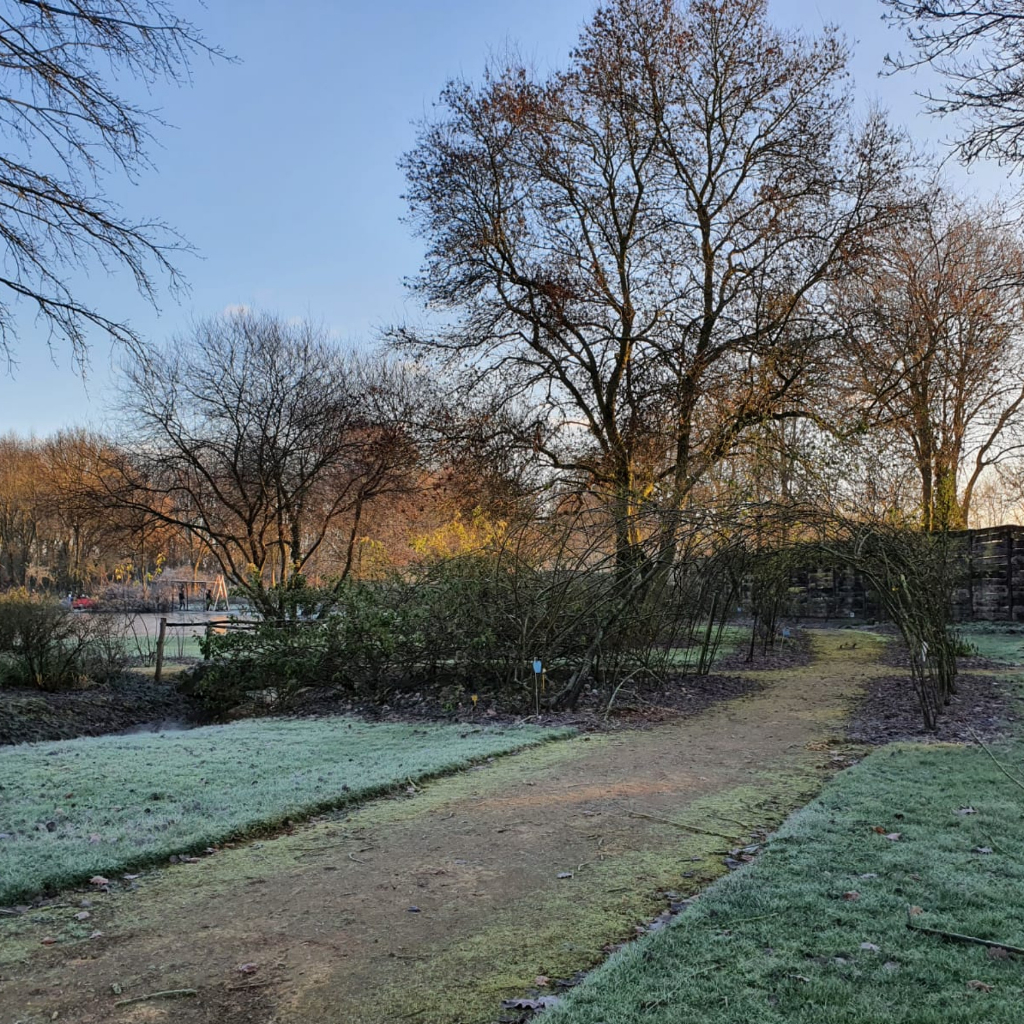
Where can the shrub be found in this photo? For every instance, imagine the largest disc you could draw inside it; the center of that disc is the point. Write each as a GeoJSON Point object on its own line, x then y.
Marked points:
{"type": "Point", "coordinates": [476, 622]}
{"type": "Point", "coordinates": [45, 645]}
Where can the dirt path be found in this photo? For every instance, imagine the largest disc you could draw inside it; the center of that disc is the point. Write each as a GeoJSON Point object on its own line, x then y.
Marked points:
{"type": "Point", "coordinates": [433, 907]}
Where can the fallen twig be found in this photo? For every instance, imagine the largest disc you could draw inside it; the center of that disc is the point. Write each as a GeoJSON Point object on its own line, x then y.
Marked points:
{"type": "Point", "coordinates": [680, 824]}
{"type": "Point", "coordinates": [995, 760]}
{"type": "Point", "coordinates": [170, 993]}
{"type": "Point", "coordinates": [958, 937]}
{"type": "Point", "coordinates": [735, 821]}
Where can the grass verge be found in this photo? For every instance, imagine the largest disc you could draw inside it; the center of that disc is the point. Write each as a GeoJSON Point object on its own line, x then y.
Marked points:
{"type": "Point", "coordinates": [77, 808]}
{"type": "Point", "coordinates": [816, 930]}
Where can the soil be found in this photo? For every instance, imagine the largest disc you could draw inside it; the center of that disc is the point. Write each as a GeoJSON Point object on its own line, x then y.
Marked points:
{"type": "Point", "coordinates": [27, 716]}
{"type": "Point", "coordinates": [793, 652]}
{"type": "Point", "coordinates": [983, 706]}
{"type": "Point", "coordinates": [630, 708]}
{"type": "Point", "coordinates": [438, 904]}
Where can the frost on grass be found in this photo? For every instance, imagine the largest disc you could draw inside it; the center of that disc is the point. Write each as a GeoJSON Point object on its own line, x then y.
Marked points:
{"type": "Point", "coordinates": [93, 806]}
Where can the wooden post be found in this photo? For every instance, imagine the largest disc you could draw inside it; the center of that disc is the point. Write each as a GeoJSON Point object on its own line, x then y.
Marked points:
{"type": "Point", "coordinates": [160, 650]}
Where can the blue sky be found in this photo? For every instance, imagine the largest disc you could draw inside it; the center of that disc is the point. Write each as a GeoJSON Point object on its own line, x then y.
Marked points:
{"type": "Point", "coordinates": [281, 169]}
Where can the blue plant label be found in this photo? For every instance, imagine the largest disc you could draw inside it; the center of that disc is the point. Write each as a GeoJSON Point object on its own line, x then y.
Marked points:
{"type": "Point", "coordinates": [537, 667]}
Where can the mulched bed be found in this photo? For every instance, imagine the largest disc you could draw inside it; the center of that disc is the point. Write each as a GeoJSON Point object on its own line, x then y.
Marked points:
{"type": "Point", "coordinates": [27, 716]}
{"type": "Point", "coordinates": [890, 711]}
{"type": "Point", "coordinates": [897, 655]}
{"type": "Point", "coordinates": [635, 708]}
{"type": "Point", "coordinates": [31, 715]}
{"type": "Point", "coordinates": [793, 652]}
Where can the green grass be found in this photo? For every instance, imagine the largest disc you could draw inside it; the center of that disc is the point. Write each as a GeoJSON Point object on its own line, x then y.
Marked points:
{"type": "Point", "coordinates": [73, 809]}
{"type": "Point", "coordinates": [996, 641]}
{"type": "Point", "coordinates": [777, 942]}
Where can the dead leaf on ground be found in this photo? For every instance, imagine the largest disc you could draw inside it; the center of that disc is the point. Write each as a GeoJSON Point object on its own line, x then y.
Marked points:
{"type": "Point", "coordinates": [965, 810]}
{"type": "Point", "coordinates": [982, 849]}
{"type": "Point", "coordinates": [997, 953]}
{"type": "Point", "coordinates": [541, 980]}
{"type": "Point", "coordinates": [851, 895]}
{"type": "Point", "coordinates": [979, 986]}
{"type": "Point", "coordinates": [99, 880]}
{"type": "Point", "coordinates": [914, 911]}
{"type": "Point", "coordinates": [892, 836]}
{"type": "Point", "coordinates": [565, 874]}
{"type": "Point", "coordinates": [247, 968]}
{"type": "Point", "coordinates": [869, 946]}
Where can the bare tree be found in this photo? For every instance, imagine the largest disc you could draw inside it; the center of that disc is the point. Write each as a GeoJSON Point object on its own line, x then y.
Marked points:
{"type": "Point", "coordinates": [259, 438]}
{"type": "Point", "coordinates": [978, 47]}
{"type": "Point", "coordinates": [633, 249]}
{"type": "Point", "coordinates": [66, 126]}
{"type": "Point", "coordinates": [936, 349]}
{"type": "Point", "coordinates": [20, 507]}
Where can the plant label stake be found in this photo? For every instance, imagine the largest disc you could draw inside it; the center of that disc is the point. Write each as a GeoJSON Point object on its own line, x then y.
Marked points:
{"type": "Point", "coordinates": [538, 668]}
